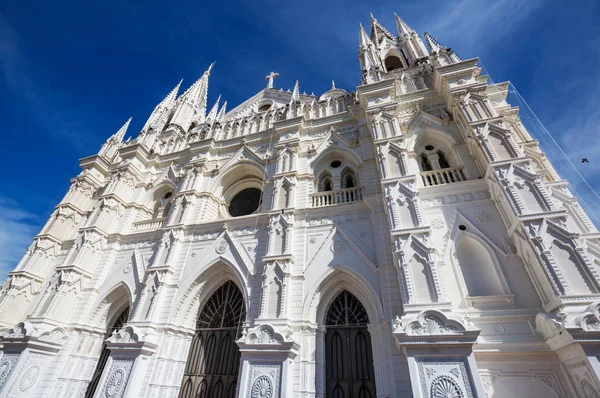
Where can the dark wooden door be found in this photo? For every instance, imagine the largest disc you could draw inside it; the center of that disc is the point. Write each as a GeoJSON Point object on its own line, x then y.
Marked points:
{"type": "Point", "coordinates": [213, 361]}
{"type": "Point", "coordinates": [348, 353]}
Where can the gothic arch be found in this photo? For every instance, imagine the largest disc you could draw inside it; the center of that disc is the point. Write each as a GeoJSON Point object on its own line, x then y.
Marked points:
{"type": "Point", "coordinates": [478, 266]}
{"type": "Point", "coordinates": [323, 159]}
{"type": "Point", "coordinates": [318, 299]}
{"type": "Point", "coordinates": [198, 289]}
{"type": "Point", "coordinates": [110, 302]}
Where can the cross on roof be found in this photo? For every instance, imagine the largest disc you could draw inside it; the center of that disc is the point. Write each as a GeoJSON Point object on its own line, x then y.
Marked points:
{"type": "Point", "coordinates": [270, 78]}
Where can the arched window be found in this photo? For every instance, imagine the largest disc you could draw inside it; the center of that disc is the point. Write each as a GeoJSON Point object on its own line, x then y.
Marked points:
{"type": "Point", "coordinates": [392, 62]}
{"type": "Point", "coordinates": [162, 205]}
{"type": "Point", "coordinates": [348, 352]}
{"type": "Point", "coordinates": [325, 184]}
{"type": "Point", "coordinates": [348, 180]}
{"type": "Point", "coordinates": [425, 165]}
{"type": "Point", "coordinates": [442, 160]}
{"type": "Point", "coordinates": [116, 325]}
{"type": "Point", "coordinates": [214, 357]}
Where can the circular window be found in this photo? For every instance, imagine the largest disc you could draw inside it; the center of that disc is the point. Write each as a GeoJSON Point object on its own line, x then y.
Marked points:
{"type": "Point", "coordinates": [429, 147]}
{"type": "Point", "coordinates": [462, 227]}
{"type": "Point", "coordinates": [168, 195]}
{"type": "Point", "coordinates": [245, 202]}
{"type": "Point", "coordinates": [335, 164]}
{"type": "Point", "coordinates": [264, 107]}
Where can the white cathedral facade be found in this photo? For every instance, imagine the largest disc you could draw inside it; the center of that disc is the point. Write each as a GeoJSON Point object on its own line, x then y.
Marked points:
{"type": "Point", "coordinates": [408, 239]}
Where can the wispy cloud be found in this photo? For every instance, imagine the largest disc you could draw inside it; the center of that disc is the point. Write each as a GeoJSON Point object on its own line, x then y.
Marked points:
{"type": "Point", "coordinates": [17, 228]}
{"type": "Point", "coordinates": [475, 24]}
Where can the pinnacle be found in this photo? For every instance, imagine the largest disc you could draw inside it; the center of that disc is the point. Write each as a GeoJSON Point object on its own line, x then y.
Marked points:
{"type": "Point", "coordinates": [363, 38]}
{"type": "Point", "coordinates": [213, 112]}
{"type": "Point", "coordinates": [296, 93]}
{"type": "Point", "coordinates": [432, 43]}
{"type": "Point", "coordinates": [332, 84]}
{"type": "Point", "coordinates": [402, 26]}
{"type": "Point", "coordinates": [120, 134]}
{"type": "Point", "coordinates": [222, 112]}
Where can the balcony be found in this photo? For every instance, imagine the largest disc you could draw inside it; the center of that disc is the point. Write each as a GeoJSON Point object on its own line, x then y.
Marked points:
{"type": "Point", "coordinates": [443, 176]}
{"type": "Point", "coordinates": [339, 196]}
{"type": "Point", "coordinates": [148, 225]}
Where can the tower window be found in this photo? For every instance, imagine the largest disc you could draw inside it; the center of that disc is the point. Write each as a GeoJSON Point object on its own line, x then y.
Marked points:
{"type": "Point", "coordinates": [325, 184]}
{"type": "Point", "coordinates": [392, 62]}
{"type": "Point", "coordinates": [264, 107]}
{"type": "Point", "coordinates": [442, 160]}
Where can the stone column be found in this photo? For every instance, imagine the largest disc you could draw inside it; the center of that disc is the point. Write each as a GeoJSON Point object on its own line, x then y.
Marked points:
{"type": "Point", "coordinates": [267, 358]}
{"type": "Point", "coordinates": [440, 356]}
{"type": "Point", "coordinates": [126, 366]}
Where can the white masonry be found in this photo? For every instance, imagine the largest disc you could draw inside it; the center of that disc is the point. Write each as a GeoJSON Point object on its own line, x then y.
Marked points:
{"type": "Point", "coordinates": [416, 216]}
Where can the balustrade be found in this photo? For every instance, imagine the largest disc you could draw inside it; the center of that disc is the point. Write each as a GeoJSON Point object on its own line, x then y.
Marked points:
{"type": "Point", "coordinates": [339, 196]}
{"type": "Point", "coordinates": [148, 225]}
{"type": "Point", "coordinates": [443, 176]}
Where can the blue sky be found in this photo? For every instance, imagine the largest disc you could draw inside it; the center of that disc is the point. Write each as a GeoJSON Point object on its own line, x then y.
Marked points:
{"type": "Point", "coordinates": [71, 73]}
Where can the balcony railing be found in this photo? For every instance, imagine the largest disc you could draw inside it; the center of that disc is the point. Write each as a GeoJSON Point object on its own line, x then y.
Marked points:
{"type": "Point", "coordinates": [338, 196]}
{"type": "Point", "coordinates": [443, 176]}
{"type": "Point", "coordinates": [148, 225]}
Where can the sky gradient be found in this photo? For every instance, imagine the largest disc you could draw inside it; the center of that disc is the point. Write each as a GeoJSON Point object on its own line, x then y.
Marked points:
{"type": "Point", "coordinates": [71, 73]}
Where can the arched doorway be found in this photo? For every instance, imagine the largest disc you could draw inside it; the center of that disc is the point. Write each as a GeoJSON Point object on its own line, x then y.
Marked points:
{"type": "Point", "coordinates": [213, 361]}
{"type": "Point", "coordinates": [348, 352]}
{"type": "Point", "coordinates": [116, 325]}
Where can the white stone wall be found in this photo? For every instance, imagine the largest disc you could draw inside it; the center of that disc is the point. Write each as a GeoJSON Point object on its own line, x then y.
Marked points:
{"type": "Point", "coordinates": [488, 267]}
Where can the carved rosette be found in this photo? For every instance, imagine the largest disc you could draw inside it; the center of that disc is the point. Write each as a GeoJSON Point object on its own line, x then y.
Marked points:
{"type": "Point", "coordinates": [264, 381]}
{"type": "Point", "coordinates": [116, 382]}
{"type": "Point", "coordinates": [444, 378]}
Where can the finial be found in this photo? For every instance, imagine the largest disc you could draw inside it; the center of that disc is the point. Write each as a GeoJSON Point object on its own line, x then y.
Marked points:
{"type": "Point", "coordinates": [296, 93]}
{"type": "Point", "coordinates": [332, 84]}
{"type": "Point", "coordinates": [270, 78]}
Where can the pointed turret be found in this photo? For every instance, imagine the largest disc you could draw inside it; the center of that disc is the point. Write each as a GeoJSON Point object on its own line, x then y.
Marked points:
{"type": "Point", "coordinates": [432, 44]}
{"type": "Point", "coordinates": [120, 134]}
{"type": "Point", "coordinates": [222, 112]}
{"type": "Point", "coordinates": [378, 31]}
{"type": "Point", "coordinates": [112, 143]}
{"type": "Point", "coordinates": [158, 117]}
{"type": "Point", "coordinates": [411, 41]}
{"type": "Point", "coordinates": [403, 28]}
{"type": "Point", "coordinates": [191, 106]}
{"type": "Point", "coordinates": [295, 93]}
{"type": "Point", "coordinates": [363, 40]}
{"type": "Point", "coordinates": [212, 115]}
{"type": "Point", "coordinates": [445, 54]}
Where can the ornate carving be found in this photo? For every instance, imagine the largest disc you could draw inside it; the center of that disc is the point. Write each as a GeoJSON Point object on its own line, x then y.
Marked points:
{"type": "Point", "coordinates": [264, 334]}
{"type": "Point", "coordinates": [445, 387]}
{"type": "Point", "coordinates": [483, 217]}
{"type": "Point", "coordinates": [7, 363]}
{"type": "Point", "coordinates": [222, 247]}
{"type": "Point", "coordinates": [29, 378]}
{"type": "Point", "coordinates": [262, 388]}
{"type": "Point", "coordinates": [115, 383]}
{"type": "Point", "coordinates": [125, 335]}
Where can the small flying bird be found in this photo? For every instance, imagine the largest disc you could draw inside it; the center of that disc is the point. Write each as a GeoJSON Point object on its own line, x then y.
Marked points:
{"type": "Point", "coordinates": [585, 160]}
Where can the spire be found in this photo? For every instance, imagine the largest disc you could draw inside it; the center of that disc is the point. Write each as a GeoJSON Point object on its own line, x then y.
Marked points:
{"type": "Point", "coordinates": [363, 39]}
{"type": "Point", "coordinates": [213, 112]}
{"type": "Point", "coordinates": [403, 28]}
{"type": "Point", "coordinates": [198, 91]}
{"type": "Point", "coordinates": [295, 93]}
{"type": "Point", "coordinates": [169, 100]}
{"type": "Point", "coordinates": [435, 47]}
{"type": "Point", "coordinates": [120, 134]}
{"type": "Point", "coordinates": [221, 113]}
{"type": "Point", "coordinates": [377, 28]}
{"type": "Point", "coordinates": [432, 43]}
